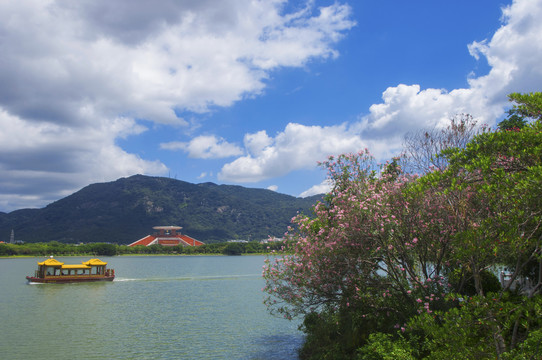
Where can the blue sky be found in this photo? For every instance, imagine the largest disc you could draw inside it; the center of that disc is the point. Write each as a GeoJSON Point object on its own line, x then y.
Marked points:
{"type": "Point", "coordinates": [251, 93]}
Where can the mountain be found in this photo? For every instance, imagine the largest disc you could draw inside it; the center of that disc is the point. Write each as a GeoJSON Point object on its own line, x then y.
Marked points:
{"type": "Point", "coordinates": [125, 210]}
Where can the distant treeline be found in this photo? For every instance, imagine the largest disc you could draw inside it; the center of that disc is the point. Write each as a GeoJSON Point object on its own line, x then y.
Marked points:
{"type": "Point", "coordinates": [105, 249]}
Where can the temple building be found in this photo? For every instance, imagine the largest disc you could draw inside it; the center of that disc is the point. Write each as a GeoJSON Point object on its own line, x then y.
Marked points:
{"type": "Point", "coordinates": [167, 236]}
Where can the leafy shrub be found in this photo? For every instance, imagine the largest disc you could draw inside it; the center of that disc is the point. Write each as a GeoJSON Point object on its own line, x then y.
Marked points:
{"type": "Point", "coordinates": [463, 282]}
{"type": "Point", "coordinates": [233, 249]}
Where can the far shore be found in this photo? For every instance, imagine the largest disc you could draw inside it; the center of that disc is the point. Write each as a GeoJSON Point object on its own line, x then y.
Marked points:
{"type": "Point", "coordinates": [123, 255]}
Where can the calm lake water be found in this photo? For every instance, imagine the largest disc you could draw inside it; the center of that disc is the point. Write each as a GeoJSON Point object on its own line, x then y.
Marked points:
{"type": "Point", "coordinates": [181, 307]}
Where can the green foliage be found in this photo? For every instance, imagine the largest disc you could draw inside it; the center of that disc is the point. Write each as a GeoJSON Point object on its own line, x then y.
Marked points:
{"type": "Point", "coordinates": [6, 250]}
{"type": "Point", "coordinates": [529, 349]}
{"type": "Point", "coordinates": [394, 266]}
{"type": "Point", "coordinates": [502, 172]}
{"type": "Point", "coordinates": [385, 347]}
{"type": "Point", "coordinates": [348, 334]}
{"type": "Point", "coordinates": [234, 249]}
{"type": "Point", "coordinates": [527, 105]}
{"type": "Point", "coordinates": [323, 339]}
{"type": "Point", "coordinates": [462, 282]}
{"type": "Point", "coordinates": [470, 328]}
{"type": "Point", "coordinates": [513, 122]}
{"type": "Point", "coordinates": [104, 249]}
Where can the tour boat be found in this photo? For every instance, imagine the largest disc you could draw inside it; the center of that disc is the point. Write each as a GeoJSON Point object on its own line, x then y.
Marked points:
{"type": "Point", "coordinates": [54, 271]}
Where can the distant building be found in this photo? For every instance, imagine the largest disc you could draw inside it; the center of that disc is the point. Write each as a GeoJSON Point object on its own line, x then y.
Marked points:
{"type": "Point", "coordinates": [271, 239]}
{"type": "Point", "coordinates": [167, 236]}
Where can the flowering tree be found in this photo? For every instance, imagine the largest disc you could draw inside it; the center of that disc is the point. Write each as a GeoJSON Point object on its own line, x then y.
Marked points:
{"type": "Point", "coordinates": [393, 253]}
{"type": "Point", "coordinates": [376, 245]}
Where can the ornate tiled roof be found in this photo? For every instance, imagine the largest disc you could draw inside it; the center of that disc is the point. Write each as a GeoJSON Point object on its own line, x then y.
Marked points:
{"type": "Point", "coordinates": [167, 240]}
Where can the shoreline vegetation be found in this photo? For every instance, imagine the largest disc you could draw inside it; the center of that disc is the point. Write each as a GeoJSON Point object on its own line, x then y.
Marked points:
{"type": "Point", "coordinates": [396, 262]}
{"type": "Point", "coordinates": [105, 249]}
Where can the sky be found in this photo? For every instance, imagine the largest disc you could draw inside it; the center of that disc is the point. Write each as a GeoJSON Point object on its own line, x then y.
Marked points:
{"type": "Point", "coordinates": [242, 92]}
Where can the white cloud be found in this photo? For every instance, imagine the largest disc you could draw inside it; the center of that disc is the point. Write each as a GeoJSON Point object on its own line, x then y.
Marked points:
{"type": "Point", "coordinates": [75, 75]}
{"type": "Point", "coordinates": [205, 147]}
{"type": "Point", "coordinates": [297, 147]}
{"type": "Point", "coordinates": [152, 59]}
{"type": "Point", "coordinates": [514, 54]}
{"type": "Point", "coordinates": [273, 187]}
{"type": "Point", "coordinates": [43, 162]}
{"type": "Point", "coordinates": [257, 143]}
{"type": "Point", "coordinates": [407, 108]}
{"type": "Point", "coordinates": [323, 188]}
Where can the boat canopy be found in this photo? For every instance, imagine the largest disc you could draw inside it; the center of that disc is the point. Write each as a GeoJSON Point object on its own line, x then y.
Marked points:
{"type": "Point", "coordinates": [83, 265]}
{"type": "Point", "coordinates": [77, 266]}
{"type": "Point", "coordinates": [51, 262]}
{"type": "Point", "coordinates": [94, 262]}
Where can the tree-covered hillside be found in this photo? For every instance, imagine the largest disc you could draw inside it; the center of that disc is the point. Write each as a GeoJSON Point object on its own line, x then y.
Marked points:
{"type": "Point", "coordinates": [125, 210]}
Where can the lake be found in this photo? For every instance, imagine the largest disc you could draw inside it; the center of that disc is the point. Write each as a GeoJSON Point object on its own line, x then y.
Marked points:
{"type": "Point", "coordinates": [158, 307]}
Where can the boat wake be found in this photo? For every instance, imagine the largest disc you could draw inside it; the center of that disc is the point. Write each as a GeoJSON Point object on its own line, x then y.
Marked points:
{"type": "Point", "coordinates": [191, 278]}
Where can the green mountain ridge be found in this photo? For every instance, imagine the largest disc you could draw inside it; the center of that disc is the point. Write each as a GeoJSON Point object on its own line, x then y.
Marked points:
{"type": "Point", "coordinates": [125, 210]}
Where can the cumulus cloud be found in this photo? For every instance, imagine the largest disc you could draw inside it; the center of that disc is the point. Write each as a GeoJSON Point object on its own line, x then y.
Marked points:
{"type": "Point", "coordinates": [146, 60]}
{"type": "Point", "coordinates": [322, 188]}
{"type": "Point", "coordinates": [408, 108]}
{"type": "Point", "coordinates": [76, 75]}
{"type": "Point", "coordinates": [297, 147]}
{"type": "Point", "coordinates": [513, 53]}
{"type": "Point", "coordinates": [45, 161]}
{"type": "Point", "coordinates": [205, 147]}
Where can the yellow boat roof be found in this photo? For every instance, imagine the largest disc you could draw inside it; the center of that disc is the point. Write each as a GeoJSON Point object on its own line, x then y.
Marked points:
{"type": "Point", "coordinates": [77, 266]}
{"type": "Point", "coordinates": [51, 262]}
{"type": "Point", "coordinates": [94, 262]}
{"type": "Point", "coordinates": [83, 265]}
